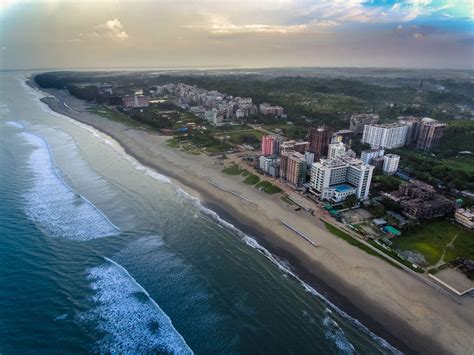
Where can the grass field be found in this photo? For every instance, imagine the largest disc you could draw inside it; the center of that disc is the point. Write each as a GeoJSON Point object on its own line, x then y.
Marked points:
{"type": "Point", "coordinates": [251, 179]}
{"type": "Point", "coordinates": [465, 164]}
{"type": "Point", "coordinates": [233, 169]}
{"type": "Point", "coordinates": [113, 115]}
{"type": "Point", "coordinates": [432, 239]}
{"type": "Point", "coordinates": [268, 187]}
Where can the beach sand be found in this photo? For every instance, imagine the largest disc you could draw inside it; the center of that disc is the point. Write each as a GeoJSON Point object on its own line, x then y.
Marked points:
{"type": "Point", "coordinates": [395, 305]}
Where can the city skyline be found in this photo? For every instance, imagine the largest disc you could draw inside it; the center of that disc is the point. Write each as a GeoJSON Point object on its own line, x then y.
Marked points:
{"type": "Point", "coordinates": [230, 34]}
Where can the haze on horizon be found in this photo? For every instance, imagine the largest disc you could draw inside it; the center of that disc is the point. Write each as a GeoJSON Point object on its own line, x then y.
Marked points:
{"type": "Point", "coordinates": [332, 33]}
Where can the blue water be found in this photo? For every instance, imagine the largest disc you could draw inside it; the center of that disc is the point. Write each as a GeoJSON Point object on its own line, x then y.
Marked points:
{"type": "Point", "coordinates": [100, 254]}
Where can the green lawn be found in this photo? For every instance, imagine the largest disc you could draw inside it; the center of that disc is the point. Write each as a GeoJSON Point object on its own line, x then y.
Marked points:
{"type": "Point", "coordinates": [433, 237]}
{"type": "Point", "coordinates": [233, 169]}
{"type": "Point", "coordinates": [251, 179]}
{"type": "Point", "coordinates": [268, 187]}
{"type": "Point", "coordinates": [173, 143]}
{"type": "Point", "coordinates": [113, 115]}
{"type": "Point", "coordinates": [287, 200]}
{"type": "Point", "coordinates": [465, 164]}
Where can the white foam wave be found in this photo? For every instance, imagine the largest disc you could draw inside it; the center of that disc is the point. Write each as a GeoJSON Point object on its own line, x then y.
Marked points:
{"type": "Point", "coordinates": [15, 124]}
{"type": "Point", "coordinates": [54, 206]}
{"type": "Point", "coordinates": [132, 321]}
{"type": "Point", "coordinates": [333, 332]}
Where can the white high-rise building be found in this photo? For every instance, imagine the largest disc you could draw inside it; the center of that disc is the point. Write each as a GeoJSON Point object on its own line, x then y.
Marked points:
{"type": "Point", "coordinates": [336, 150]}
{"type": "Point", "coordinates": [369, 154]}
{"type": "Point", "coordinates": [335, 179]}
{"type": "Point", "coordinates": [385, 135]}
{"type": "Point", "coordinates": [390, 164]}
{"type": "Point", "coordinates": [270, 165]}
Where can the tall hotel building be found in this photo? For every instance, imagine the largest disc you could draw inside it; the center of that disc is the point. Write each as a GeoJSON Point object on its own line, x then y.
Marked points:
{"type": "Point", "coordinates": [431, 132]}
{"type": "Point", "coordinates": [385, 135]}
{"type": "Point", "coordinates": [335, 179]}
{"type": "Point", "coordinates": [319, 139]}
{"type": "Point", "coordinates": [268, 145]}
{"type": "Point", "coordinates": [296, 168]}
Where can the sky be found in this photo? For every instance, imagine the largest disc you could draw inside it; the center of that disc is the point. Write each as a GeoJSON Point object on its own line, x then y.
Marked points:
{"type": "Point", "coordinates": [43, 34]}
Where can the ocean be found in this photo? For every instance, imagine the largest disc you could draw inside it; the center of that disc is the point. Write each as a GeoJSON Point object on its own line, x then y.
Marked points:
{"type": "Point", "coordinates": [99, 253]}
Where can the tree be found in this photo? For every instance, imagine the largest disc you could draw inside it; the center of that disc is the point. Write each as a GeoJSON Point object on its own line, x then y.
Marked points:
{"type": "Point", "coordinates": [350, 201]}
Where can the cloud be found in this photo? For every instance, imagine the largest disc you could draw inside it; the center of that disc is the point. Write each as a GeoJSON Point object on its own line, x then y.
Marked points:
{"type": "Point", "coordinates": [111, 29]}
{"type": "Point", "coordinates": [221, 25]}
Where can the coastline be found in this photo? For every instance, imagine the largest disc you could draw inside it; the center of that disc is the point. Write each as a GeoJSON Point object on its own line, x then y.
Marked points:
{"type": "Point", "coordinates": [337, 270]}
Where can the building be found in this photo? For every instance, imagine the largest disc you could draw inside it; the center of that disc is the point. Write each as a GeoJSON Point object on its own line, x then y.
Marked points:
{"type": "Point", "coordinates": [413, 124]}
{"type": "Point", "coordinates": [420, 200]}
{"type": "Point", "coordinates": [367, 156]}
{"type": "Point", "coordinates": [296, 169]}
{"type": "Point", "coordinates": [270, 165]}
{"type": "Point", "coordinates": [335, 179]}
{"type": "Point", "coordinates": [342, 136]}
{"type": "Point", "coordinates": [267, 145]}
{"type": "Point", "coordinates": [430, 135]}
{"type": "Point", "coordinates": [268, 109]}
{"type": "Point", "coordinates": [389, 136]}
{"type": "Point", "coordinates": [309, 157]}
{"type": "Point", "coordinates": [301, 147]}
{"type": "Point", "coordinates": [319, 139]}
{"type": "Point", "coordinates": [390, 164]}
{"type": "Point", "coordinates": [336, 150]}
{"type": "Point", "coordinates": [465, 217]}
{"type": "Point", "coordinates": [135, 101]}
{"type": "Point", "coordinates": [358, 121]}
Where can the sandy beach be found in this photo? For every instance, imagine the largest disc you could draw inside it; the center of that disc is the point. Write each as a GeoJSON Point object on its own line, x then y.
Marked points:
{"type": "Point", "coordinates": [392, 303]}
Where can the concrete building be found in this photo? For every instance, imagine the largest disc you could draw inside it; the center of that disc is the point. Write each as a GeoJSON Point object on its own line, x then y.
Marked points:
{"type": "Point", "coordinates": [319, 139]}
{"type": "Point", "coordinates": [431, 133]}
{"type": "Point", "coordinates": [268, 109]}
{"type": "Point", "coordinates": [465, 217]}
{"type": "Point", "coordinates": [336, 150]}
{"type": "Point", "coordinates": [270, 165]}
{"type": "Point", "coordinates": [390, 164]}
{"type": "Point", "coordinates": [267, 145]}
{"type": "Point", "coordinates": [335, 179]}
{"type": "Point", "coordinates": [367, 156]}
{"type": "Point", "coordinates": [342, 136]}
{"type": "Point", "coordinates": [296, 169]}
{"type": "Point", "coordinates": [413, 124]}
{"type": "Point", "coordinates": [420, 200]}
{"type": "Point", "coordinates": [135, 101]}
{"type": "Point", "coordinates": [358, 121]}
{"type": "Point", "coordinates": [385, 135]}
{"type": "Point", "coordinates": [309, 157]}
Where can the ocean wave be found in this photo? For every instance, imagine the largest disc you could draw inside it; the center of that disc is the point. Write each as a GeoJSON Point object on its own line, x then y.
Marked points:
{"type": "Point", "coordinates": [54, 206]}
{"type": "Point", "coordinates": [15, 124]}
{"type": "Point", "coordinates": [333, 332]}
{"type": "Point", "coordinates": [131, 320]}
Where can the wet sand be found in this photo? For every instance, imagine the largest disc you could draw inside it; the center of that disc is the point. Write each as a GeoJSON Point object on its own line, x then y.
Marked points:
{"type": "Point", "coordinates": [392, 303]}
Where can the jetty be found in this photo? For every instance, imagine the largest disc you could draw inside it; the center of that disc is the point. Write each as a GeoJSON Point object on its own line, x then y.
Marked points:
{"type": "Point", "coordinates": [297, 232]}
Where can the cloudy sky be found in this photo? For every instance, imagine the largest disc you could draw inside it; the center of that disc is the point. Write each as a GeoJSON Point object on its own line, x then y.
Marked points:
{"type": "Point", "coordinates": [246, 33]}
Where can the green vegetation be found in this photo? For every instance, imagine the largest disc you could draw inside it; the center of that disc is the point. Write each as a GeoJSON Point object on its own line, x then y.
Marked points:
{"type": "Point", "coordinates": [435, 171]}
{"type": "Point", "coordinates": [233, 169]}
{"type": "Point", "coordinates": [247, 136]}
{"type": "Point", "coordinates": [385, 183]}
{"type": "Point", "coordinates": [113, 115]}
{"type": "Point", "coordinates": [268, 187]}
{"type": "Point", "coordinates": [432, 241]}
{"type": "Point", "coordinates": [173, 143]}
{"type": "Point", "coordinates": [251, 179]}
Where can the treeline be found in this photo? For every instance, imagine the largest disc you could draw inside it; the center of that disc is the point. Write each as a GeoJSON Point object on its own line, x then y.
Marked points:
{"type": "Point", "coordinates": [458, 137]}
{"type": "Point", "coordinates": [435, 172]}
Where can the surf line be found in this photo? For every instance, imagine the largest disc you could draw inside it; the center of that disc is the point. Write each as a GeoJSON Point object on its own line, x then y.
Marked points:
{"type": "Point", "coordinates": [135, 282]}
{"type": "Point", "coordinates": [58, 175]}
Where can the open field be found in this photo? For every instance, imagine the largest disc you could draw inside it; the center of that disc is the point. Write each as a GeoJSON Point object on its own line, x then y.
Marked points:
{"type": "Point", "coordinates": [433, 241]}
{"type": "Point", "coordinates": [113, 115]}
{"type": "Point", "coordinates": [268, 187]}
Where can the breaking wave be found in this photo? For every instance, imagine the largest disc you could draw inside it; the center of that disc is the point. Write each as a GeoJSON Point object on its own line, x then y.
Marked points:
{"type": "Point", "coordinates": [131, 320]}
{"type": "Point", "coordinates": [54, 206]}
{"type": "Point", "coordinates": [15, 124]}
{"type": "Point", "coordinates": [333, 332]}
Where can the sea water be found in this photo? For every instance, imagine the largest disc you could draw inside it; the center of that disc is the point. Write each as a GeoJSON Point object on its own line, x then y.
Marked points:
{"type": "Point", "coordinates": [101, 254]}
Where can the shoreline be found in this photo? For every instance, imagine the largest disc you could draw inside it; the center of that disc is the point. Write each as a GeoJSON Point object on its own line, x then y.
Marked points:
{"type": "Point", "coordinates": [314, 270]}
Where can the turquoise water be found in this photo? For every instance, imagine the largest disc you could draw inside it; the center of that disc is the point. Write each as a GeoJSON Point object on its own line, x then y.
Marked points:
{"type": "Point", "coordinates": [100, 254]}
